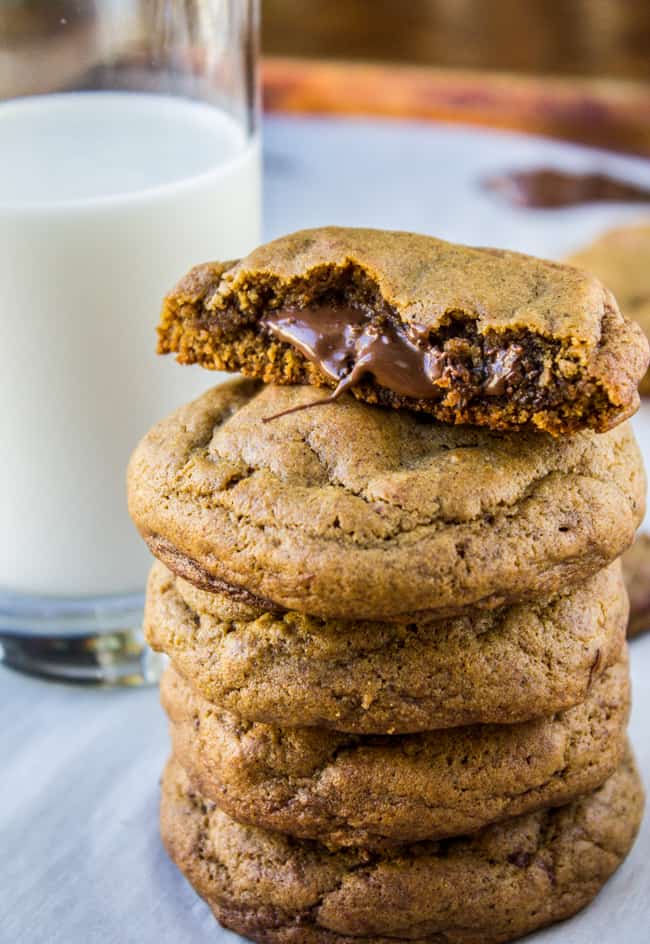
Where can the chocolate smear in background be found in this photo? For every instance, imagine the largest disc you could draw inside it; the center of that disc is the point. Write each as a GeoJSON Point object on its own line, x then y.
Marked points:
{"type": "Point", "coordinates": [550, 188]}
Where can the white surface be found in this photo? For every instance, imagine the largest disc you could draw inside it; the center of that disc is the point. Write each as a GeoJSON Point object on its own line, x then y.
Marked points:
{"type": "Point", "coordinates": [81, 859]}
{"type": "Point", "coordinates": [92, 186]}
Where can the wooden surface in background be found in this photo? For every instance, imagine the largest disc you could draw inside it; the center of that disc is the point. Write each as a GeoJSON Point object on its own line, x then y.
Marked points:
{"type": "Point", "coordinates": [545, 37]}
{"type": "Point", "coordinates": [604, 113]}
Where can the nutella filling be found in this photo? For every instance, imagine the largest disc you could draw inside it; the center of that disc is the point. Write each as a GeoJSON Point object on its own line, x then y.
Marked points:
{"type": "Point", "coordinates": [345, 344]}
{"type": "Point", "coordinates": [348, 343]}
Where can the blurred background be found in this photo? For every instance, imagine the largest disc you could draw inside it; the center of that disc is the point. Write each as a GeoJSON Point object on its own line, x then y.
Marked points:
{"type": "Point", "coordinates": [555, 37]}
{"type": "Point", "coordinates": [574, 69]}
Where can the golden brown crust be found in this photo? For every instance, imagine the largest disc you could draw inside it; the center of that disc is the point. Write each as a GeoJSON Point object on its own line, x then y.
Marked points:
{"type": "Point", "coordinates": [377, 792]}
{"type": "Point", "coordinates": [527, 661]}
{"type": "Point", "coordinates": [583, 359]}
{"type": "Point", "coordinates": [495, 886]}
{"type": "Point", "coordinates": [353, 512]}
{"type": "Point", "coordinates": [620, 257]}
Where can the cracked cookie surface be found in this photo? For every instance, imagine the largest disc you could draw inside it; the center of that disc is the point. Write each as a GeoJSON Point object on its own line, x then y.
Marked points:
{"type": "Point", "coordinates": [494, 338]}
{"type": "Point", "coordinates": [356, 512]}
{"type": "Point", "coordinates": [524, 661]}
{"type": "Point", "coordinates": [377, 791]}
{"type": "Point", "coordinates": [489, 888]}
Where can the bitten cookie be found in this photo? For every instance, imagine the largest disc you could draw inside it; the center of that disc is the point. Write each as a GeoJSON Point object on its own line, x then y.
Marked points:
{"type": "Point", "coordinates": [492, 887]}
{"type": "Point", "coordinates": [524, 661]}
{"type": "Point", "coordinates": [373, 791]}
{"type": "Point", "coordinates": [621, 258]}
{"type": "Point", "coordinates": [355, 512]}
{"type": "Point", "coordinates": [478, 336]}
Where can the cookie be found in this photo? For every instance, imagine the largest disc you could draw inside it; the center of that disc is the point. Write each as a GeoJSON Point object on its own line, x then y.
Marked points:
{"type": "Point", "coordinates": [636, 570]}
{"type": "Point", "coordinates": [492, 887]}
{"type": "Point", "coordinates": [525, 661]}
{"type": "Point", "coordinates": [374, 791]}
{"type": "Point", "coordinates": [356, 512]}
{"type": "Point", "coordinates": [476, 336]}
{"type": "Point", "coordinates": [621, 258]}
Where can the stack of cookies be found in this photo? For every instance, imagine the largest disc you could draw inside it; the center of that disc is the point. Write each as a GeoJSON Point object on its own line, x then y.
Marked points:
{"type": "Point", "coordinates": [398, 688]}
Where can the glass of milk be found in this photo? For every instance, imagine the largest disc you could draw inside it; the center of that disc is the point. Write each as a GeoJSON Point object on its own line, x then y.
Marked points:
{"type": "Point", "coordinates": [129, 151]}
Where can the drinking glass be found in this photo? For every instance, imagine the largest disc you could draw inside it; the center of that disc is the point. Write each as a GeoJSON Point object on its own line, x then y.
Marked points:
{"type": "Point", "coordinates": [129, 152]}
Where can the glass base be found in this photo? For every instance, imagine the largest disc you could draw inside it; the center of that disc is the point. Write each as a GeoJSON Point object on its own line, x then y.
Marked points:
{"type": "Point", "coordinates": [91, 641]}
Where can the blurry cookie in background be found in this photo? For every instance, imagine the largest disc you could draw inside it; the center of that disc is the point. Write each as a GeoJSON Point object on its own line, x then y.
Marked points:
{"type": "Point", "coordinates": [621, 259]}
{"type": "Point", "coordinates": [636, 571]}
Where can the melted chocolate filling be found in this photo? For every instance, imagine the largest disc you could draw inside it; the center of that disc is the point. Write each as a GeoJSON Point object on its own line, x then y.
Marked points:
{"type": "Point", "coordinates": [347, 344]}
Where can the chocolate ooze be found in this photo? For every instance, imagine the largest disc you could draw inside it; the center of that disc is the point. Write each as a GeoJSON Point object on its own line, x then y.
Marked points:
{"type": "Point", "coordinates": [348, 343]}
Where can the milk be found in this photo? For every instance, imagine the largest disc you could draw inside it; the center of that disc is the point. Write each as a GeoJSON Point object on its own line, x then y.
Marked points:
{"type": "Point", "coordinates": [106, 199]}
